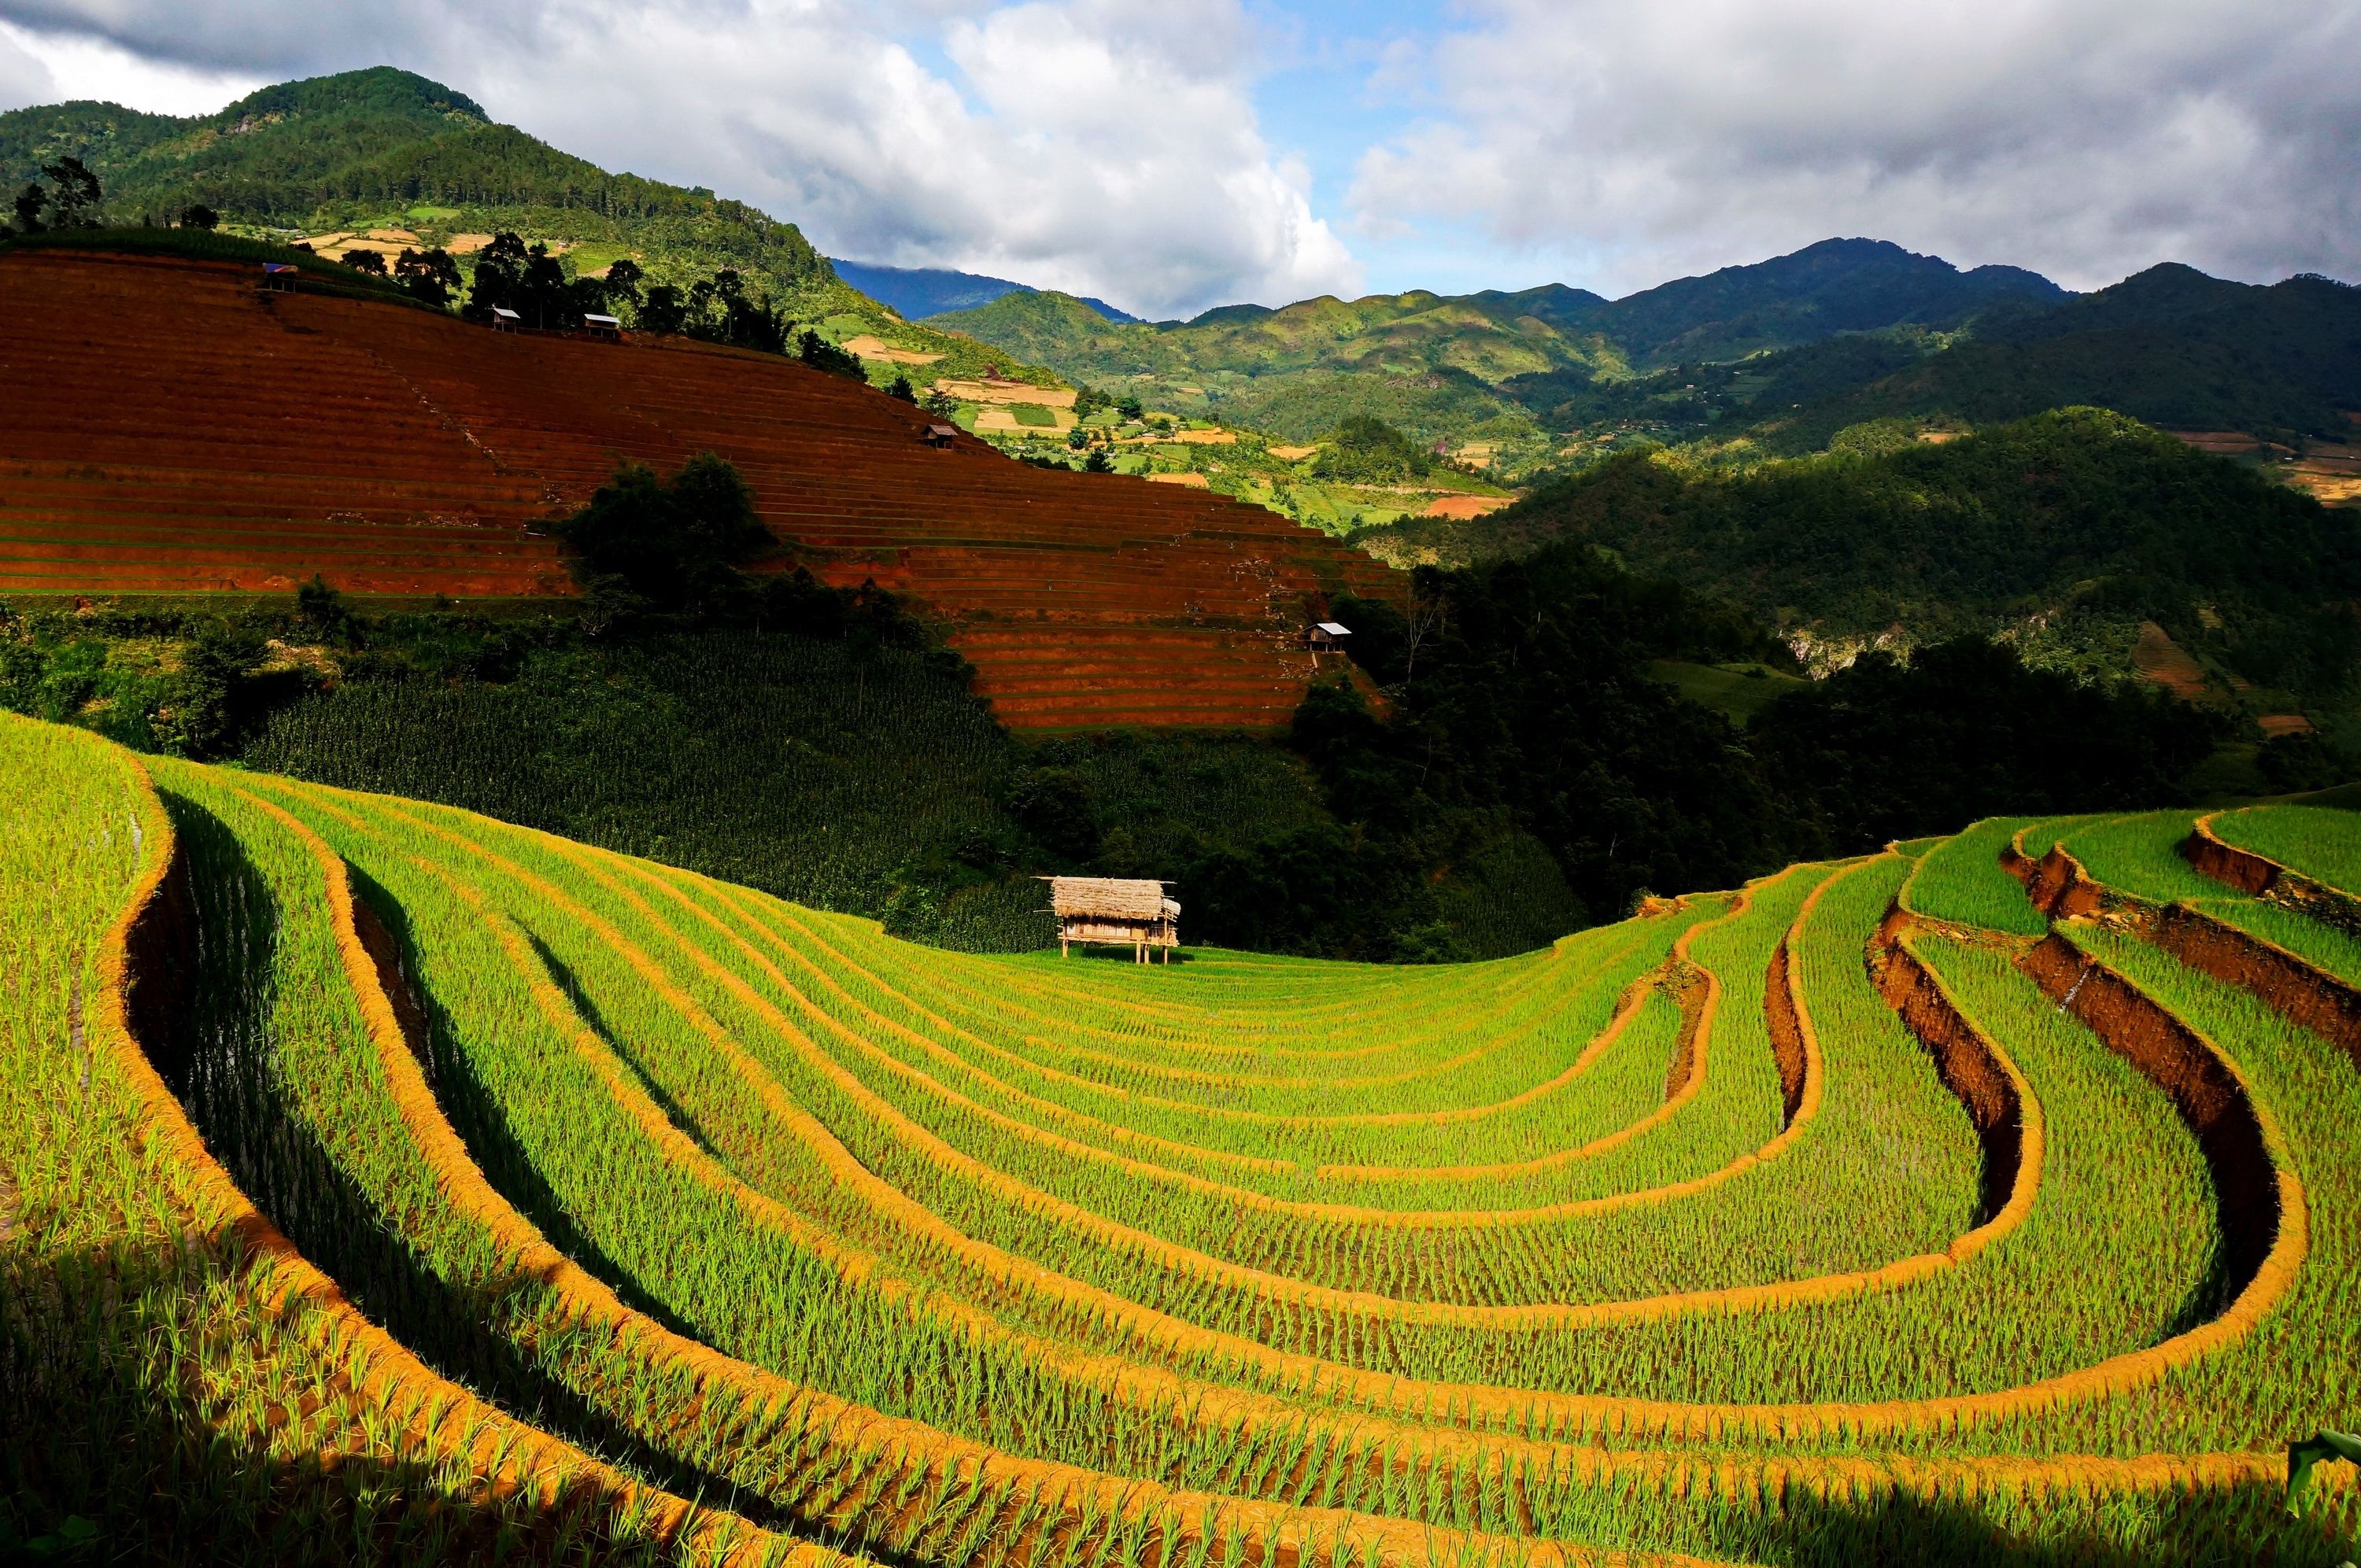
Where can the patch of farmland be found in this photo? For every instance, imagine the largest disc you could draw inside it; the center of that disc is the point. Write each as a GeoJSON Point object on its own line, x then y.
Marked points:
{"type": "Point", "coordinates": [473, 1194]}
{"type": "Point", "coordinates": [401, 452]}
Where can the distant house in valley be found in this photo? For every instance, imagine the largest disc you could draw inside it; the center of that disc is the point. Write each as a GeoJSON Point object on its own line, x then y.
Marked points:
{"type": "Point", "coordinates": [940, 435]}
{"type": "Point", "coordinates": [606, 329]}
{"type": "Point", "coordinates": [505, 319]}
{"type": "Point", "coordinates": [278, 277]}
{"type": "Point", "coordinates": [1119, 912]}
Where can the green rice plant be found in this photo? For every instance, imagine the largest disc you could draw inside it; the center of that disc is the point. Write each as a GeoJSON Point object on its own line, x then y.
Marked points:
{"type": "Point", "coordinates": [171, 1377]}
{"type": "Point", "coordinates": [1003, 1259]}
{"type": "Point", "coordinates": [2321, 842]}
{"type": "Point", "coordinates": [1961, 880]}
{"type": "Point", "coordinates": [2140, 856]}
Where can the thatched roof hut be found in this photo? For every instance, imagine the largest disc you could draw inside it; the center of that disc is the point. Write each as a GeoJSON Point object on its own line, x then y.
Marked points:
{"type": "Point", "coordinates": [1119, 911]}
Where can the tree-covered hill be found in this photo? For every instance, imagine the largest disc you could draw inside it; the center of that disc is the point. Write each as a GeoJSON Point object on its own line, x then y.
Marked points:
{"type": "Point", "coordinates": [383, 148]}
{"type": "Point", "coordinates": [2063, 532]}
{"type": "Point", "coordinates": [1484, 365]}
{"type": "Point", "coordinates": [1835, 285]}
{"type": "Point", "coordinates": [2170, 345]}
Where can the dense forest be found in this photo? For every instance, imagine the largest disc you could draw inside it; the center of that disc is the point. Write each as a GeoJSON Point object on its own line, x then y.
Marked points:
{"type": "Point", "coordinates": [2170, 347]}
{"type": "Point", "coordinates": [2061, 520]}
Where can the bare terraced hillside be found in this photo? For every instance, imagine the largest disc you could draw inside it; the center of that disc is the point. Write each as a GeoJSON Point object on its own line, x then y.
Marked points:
{"type": "Point", "coordinates": [172, 430]}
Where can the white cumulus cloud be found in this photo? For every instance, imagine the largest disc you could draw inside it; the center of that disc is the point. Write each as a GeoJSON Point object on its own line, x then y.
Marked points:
{"type": "Point", "coordinates": [2087, 139]}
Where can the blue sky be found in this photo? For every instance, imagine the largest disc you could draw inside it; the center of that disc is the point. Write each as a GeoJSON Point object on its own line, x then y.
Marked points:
{"type": "Point", "coordinates": [1174, 155]}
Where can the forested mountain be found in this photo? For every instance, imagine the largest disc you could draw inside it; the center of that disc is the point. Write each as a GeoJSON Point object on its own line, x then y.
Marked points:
{"type": "Point", "coordinates": [1835, 286]}
{"type": "Point", "coordinates": [2170, 345]}
{"type": "Point", "coordinates": [918, 291]}
{"type": "Point", "coordinates": [387, 149]}
{"type": "Point", "coordinates": [1484, 365]}
{"type": "Point", "coordinates": [2063, 532]}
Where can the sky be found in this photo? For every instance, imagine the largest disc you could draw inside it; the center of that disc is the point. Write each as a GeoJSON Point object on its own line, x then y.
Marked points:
{"type": "Point", "coordinates": [1168, 156]}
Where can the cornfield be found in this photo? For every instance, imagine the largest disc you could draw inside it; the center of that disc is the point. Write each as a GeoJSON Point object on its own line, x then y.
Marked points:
{"type": "Point", "coordinates": [386, 1182]}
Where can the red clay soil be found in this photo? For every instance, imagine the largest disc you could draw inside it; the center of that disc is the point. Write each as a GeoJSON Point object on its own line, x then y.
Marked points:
{"type": "Point", "coordinates": [2229, 865]}
{"type": "Point", "coordinates": [1689, 990]}
{"type": "Point", "coordinates": [2055, 882]}
{"type": "Point", "coordinates": [2167, 663]}
{"type": "Point", "coordinates": [2318, 1001]}
{"type": "Point", "coordinates": [2253, 873]}
{"type": "Point", "coordinates": [2209, 1099]}
{"type": "Point", "coordinates": [1786, 1033]}
{"type": "Point", "coordinates": [193, 435]}
{"type": "Point", "coordinates": [1962, 1060]}
{"type": "Point", "coordinates": [2326, 1006]}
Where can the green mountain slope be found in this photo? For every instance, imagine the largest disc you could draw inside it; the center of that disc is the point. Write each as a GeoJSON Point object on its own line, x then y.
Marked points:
{"type": "Point", "coordinates": [1835, 285]}
{"type": "Point", "coordinates": [2170, 345]}
{"type": "Point", "coordinates": [1492, 366]}
{"type": "Point", "coordinates": [383, 148]}
{"type": "Point", "coordinates": [2063, 532]}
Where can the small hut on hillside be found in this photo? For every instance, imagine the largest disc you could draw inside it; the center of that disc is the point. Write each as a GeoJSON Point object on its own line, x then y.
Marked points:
{"type": "Point", "coordinates": [1326, 637]}
{"type": "Point", "coordinates": [1114, 912]}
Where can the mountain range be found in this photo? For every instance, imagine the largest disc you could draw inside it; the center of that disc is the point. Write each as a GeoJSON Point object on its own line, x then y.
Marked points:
{"type": "Point", "coordinates": [1489, 366]}
{"type": "Point", "coordinates": [920, 291]}
{"type": "Point", "coordinates": [1775, 357]}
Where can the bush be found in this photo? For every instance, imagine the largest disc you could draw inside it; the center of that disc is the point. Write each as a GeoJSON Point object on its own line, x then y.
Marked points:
{"type": "Point", "coordinates": [1368, 451]}
{"type": "Point", "coordinates": [643, 545]}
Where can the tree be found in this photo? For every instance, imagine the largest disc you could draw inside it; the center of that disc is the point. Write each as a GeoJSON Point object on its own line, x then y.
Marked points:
{"type": "Point", "coordinates": [665, 310]}
{"type": "Point", "coordinates": [75, 200]}
{"type": "Point", "coordinates": [1370, 451]}
{"type": "Point", "coordinates": [624, 281]}
{"type": "Point", "coordinates": [29, 202]}
{"type": "Point", "coordinates": [666, 546]}
{"type": "Point", "coordinates": [544, 297]}
{"type": "Point", "coordinates": [1098, 462]}
{"type": "Point", "coordinates": [1077, 438]}
{"type": "Point", "coordinates": [500, 278]}
{"type": "Point", "coordinates": [821, 354]}
{"type": "Point", "coordinates": [903, 389]}
{"type": "Point", "coordinates": [1130, 407]}
{"type": "Point", "coordinates": [200, 216]}
{"type": "Point", "coordinates": [429, 277]}
{"type": "Point", "coordinates": [368, 262]}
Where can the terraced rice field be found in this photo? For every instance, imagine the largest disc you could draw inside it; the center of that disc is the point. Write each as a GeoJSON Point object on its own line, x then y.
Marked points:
{"type": "Point", "coordinates": [223, 440]}
{"type": "Point", "coordinates": [484, 1195]}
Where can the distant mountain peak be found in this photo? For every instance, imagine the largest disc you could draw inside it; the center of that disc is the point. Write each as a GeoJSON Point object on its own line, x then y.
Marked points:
{"type": "Point", "coordinates": [916, 292]}
{"type": "Point", "coordinates": [379, 86]}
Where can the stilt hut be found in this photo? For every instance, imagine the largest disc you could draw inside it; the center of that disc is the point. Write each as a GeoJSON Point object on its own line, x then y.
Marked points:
{"type": "Point", "coordinates": [1119, 912]}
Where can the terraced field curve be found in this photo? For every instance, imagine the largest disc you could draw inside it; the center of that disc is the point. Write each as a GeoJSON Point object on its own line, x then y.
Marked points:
{"type": "Point", "coordinates": [1884, 1210]}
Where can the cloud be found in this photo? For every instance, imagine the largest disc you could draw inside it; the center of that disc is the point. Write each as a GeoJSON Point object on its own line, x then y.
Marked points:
{"type": "Point", "coordinates": [1092, 145]}
{"type": "Point", "coordinates": [2088, 139]}
{"type": "Point", "coordinates": [24, 80]}
{"type": "Point", "coordinates": [83, 66]}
